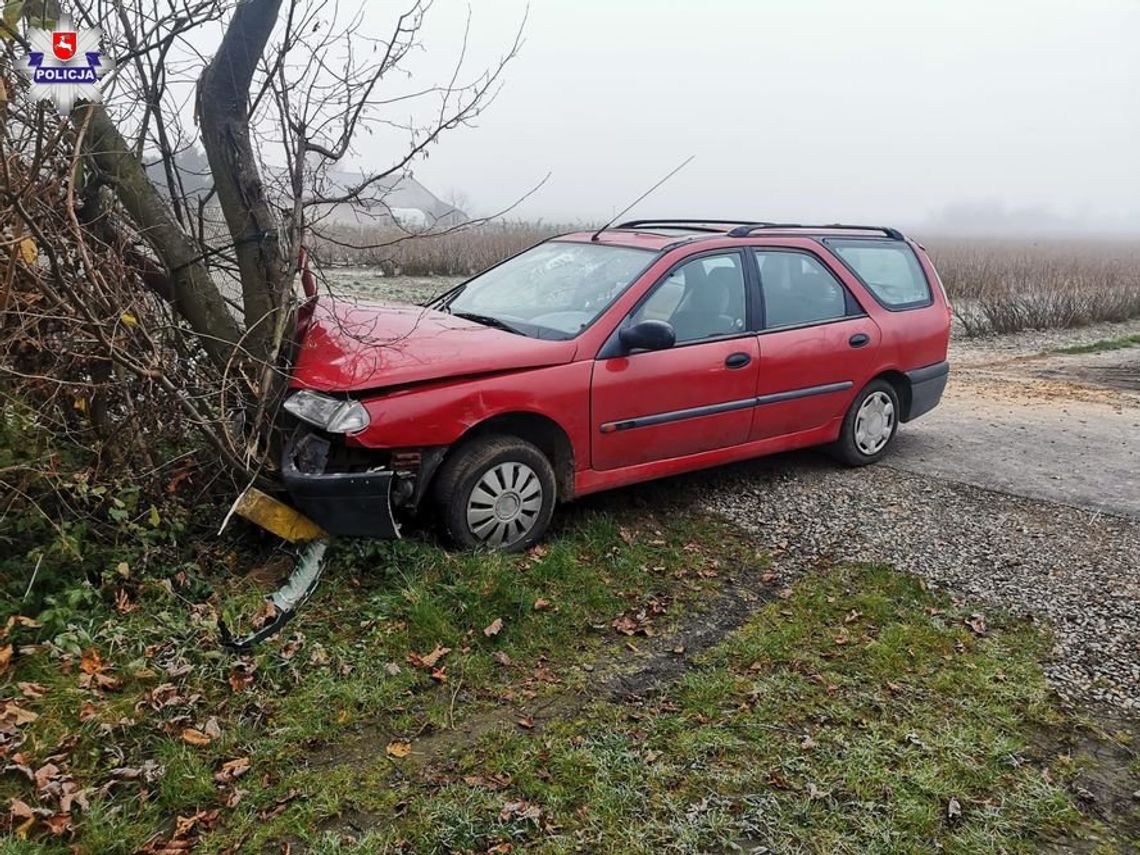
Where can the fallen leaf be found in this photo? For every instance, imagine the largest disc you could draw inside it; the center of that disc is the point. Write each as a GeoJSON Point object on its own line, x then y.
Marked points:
{"type": "Point", "coordinates": [977, 623]}
{"type": "Point", "coordinates": [232, 770]}
{"type": "Point", "coordinates": [815, 793]}
{"type": "Point", "coordinates": [123, 604]}
{"type": "Point", "coordinates": [212, 728]}
{"type": "Point", "coordinates": [521, 809]}
{"type": "Point", "coordinates": [429, 660]}
{"type": "Point", "coordinates": [91, 662]}
{"type": "Point", "coordinates": [543, 605]}
{"type": "Point", "coordinates": [953, 810]}
{"type": "Point", "coordinates": [58, 824]}
{"type": "Point", "coordinates": [46, 774]}
{"type": "Point", "coordinates": [392, 669]}
{"type": "Point", "coordinates": [439, 674]}
{"type": "Point", "coordinates": [195, 737]}
{"type": "Point", "coordinates": [16, 714]}
{"type": "Point", "coordinates": [240, 679]}
{"type": "Point", "coordinates": [399, 749]}
{"type": "Point", "coordinates": [5, 657]}
{"type": "Point", "coordinates": [495, 627]}
{"type": "Point", "coordinates": [502, 658]}
{"type": "Point", "coordinates": [279, 807]}
{"type": "Point", "coordinates": [526, 723]}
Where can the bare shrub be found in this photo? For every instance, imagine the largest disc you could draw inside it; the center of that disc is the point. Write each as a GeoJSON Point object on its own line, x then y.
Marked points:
{"type": "Point", "coordinates": [995, 286]}
{"type": "Point", "coordinates": [1008, 286]}
{"type": "Point", "coordinates": [457, 252]}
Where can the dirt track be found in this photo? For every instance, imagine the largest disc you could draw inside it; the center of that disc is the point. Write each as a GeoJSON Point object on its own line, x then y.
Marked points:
{"type": "Point", "coordinates": [1064, 428]}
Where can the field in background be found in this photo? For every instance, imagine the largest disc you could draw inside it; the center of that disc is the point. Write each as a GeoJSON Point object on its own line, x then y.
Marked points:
{"type": "Point", "coordinates": [1003, 286]}
{"type": "Point", "coordinates": [996, 285]}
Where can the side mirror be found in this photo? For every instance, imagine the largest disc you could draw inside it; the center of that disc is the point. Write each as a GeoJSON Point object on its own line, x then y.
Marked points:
{"type": "Point", "coordinates": [647, 335]}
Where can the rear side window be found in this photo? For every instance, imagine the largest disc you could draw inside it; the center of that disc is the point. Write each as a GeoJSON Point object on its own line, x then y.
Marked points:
{"type": "Point", "coordinates": [798, 290]}
{"type": "Point", "coordinates": [889, 269]}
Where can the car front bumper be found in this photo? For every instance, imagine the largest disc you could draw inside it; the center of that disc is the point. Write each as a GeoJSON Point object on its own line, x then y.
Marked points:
{"type": "Point", "coordinates": [926, 387]}
{"type": "Point", "coordinates": [351, 504]}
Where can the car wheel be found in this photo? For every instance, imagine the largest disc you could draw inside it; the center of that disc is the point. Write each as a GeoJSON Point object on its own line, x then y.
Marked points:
{"type": "Point", "coordinates": [497, 493]}
{"type": "Point", "coordinates": [869, 426]}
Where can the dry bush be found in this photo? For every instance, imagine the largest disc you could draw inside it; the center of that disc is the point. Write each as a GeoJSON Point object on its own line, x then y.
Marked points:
{"type": "Point", "coordinates": [456, 252]}
{"type": "Point", "coordinates": [996, 286]}
{"type": "Point", "coordinates": [1004, 286]}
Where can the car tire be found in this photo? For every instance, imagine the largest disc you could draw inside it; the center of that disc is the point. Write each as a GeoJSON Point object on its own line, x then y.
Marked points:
{"type": "Point", "coordinates": [497, 493]}
{"type": "Point", "coordinates": [870, 425]}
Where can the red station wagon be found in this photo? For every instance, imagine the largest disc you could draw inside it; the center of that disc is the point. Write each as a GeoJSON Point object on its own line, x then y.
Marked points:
{"type": "Point", "coordinates": [595, 360]}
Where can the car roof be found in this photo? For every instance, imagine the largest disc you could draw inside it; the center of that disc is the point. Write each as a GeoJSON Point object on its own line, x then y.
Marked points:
{"type": "Point", "coordinates": [659, 235]}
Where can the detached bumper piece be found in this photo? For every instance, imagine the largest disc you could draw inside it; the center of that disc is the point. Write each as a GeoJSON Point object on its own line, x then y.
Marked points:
{"type": "Point", "coordinates": [286, 600]}
{"type": "Point", "coordinates": [351, 504]}
{"type": "Point", "coordinates": [926, 387]}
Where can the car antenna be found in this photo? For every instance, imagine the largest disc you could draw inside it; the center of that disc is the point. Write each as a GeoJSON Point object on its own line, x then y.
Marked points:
{"type": "Point", "coordinates": [625, 210]}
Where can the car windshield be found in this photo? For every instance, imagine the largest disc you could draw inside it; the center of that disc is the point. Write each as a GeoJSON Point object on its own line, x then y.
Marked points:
{"type": "Point", "coordinates": [554, 290]}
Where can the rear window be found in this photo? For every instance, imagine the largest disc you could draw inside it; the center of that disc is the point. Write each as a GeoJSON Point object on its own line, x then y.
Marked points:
{"type": "Point", "coordinates": [889, 269]}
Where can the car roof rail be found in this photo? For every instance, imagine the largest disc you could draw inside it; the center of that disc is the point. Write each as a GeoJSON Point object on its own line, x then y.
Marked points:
{"type": "Point", "coordinates": [693, 224]}
{"type": "Point", "coordinates": [745, 230]}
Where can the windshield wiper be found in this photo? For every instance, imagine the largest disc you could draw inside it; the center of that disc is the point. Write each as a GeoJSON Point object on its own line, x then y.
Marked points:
{"type": "Point", "coordinates": [489, 321]}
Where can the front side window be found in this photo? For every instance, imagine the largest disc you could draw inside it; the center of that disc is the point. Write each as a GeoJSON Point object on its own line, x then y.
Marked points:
{"type": "Point", "coordinates": [889, 269]}
{"type": "Point", "coordinates": [554, 290]}
{"type": "Point", "coordinates": [701, 299]}
{"type": "Point", "coordinates": [799, 290]}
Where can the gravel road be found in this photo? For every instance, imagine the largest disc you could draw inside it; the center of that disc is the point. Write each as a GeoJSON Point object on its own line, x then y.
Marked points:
{"type": "Point", "coordinates": [980, 517]}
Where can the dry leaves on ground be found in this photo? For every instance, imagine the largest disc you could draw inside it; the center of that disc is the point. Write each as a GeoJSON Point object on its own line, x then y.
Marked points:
{"type": "Point", "coordinates": [399, 748]}
{"type": "Point", "coordinates": [639, 620]}
{"type": "Point", "coordinates": [428, 661]}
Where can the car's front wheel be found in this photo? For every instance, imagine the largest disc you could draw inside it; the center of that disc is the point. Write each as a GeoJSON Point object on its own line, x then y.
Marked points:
{"type": "Point", "coordinates": [496, 492]}
{"type": "Point", "coordinates": [869, 426]}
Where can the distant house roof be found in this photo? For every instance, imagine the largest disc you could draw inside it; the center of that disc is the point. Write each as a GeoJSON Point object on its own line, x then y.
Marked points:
{"type": "Point", "coordinates": [405, 192]}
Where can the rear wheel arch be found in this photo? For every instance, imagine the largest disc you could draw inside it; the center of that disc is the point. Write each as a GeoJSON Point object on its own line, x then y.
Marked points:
{"type": "Point", "coordinates": [901, 384]}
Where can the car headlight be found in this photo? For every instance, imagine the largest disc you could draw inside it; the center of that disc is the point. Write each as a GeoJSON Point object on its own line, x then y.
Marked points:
{"type": "Point", "coordinates": [331, 414]}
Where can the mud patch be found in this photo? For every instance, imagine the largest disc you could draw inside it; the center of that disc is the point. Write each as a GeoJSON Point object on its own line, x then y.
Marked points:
{"type": "Point", "coordinates": [1122, 375]}
{"type": "Point", "coordinates": [626, 668]}
{"type": "Point", "coordinates": [1107, 752]}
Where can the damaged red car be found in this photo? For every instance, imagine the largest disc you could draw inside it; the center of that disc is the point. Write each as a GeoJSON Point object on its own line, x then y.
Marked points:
{"type": "Point", "coordinates": [595, 360]}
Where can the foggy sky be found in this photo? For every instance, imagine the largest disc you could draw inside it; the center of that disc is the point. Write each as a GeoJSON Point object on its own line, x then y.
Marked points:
{"type": "Point", "coordinates": [815, 110]}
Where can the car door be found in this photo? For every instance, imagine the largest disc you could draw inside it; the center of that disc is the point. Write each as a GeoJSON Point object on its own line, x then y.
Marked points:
{"type": "Point", "coordinates": [818, 346]}
{"type": "Point", "coordinates": [694, 396]}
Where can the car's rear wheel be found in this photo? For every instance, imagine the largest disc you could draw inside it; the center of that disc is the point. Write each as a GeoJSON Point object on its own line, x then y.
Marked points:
{"type": "Point", "coordinates": [869, 426]}
{"type": "Point", "coordinates": [496, 492]}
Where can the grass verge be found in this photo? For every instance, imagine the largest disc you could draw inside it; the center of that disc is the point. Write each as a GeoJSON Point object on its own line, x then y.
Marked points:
{"type": "Point", "coordinates": [860, 714]}
{"type": "Point", "coordinates": [856, 712]}
{"type": "Point", "coordinates": [128, 718]}
{"type": "Point", "coordinates": [1104, 345]}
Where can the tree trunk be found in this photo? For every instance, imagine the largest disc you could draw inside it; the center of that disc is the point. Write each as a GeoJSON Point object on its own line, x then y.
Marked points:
{"type": "Point", "coordinates": [223, 110]}
{"type": "Point", "coordinates": [196, 297]}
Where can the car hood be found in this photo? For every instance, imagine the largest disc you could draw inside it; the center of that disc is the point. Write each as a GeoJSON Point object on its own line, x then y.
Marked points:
{"type": "Point", "coordinates": [349, 347]}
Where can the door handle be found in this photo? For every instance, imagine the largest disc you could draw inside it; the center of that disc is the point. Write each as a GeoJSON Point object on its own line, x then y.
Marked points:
{"type": "Point", "coordinates": [737, 360]}
{"type": "Point", "coordinates": [859, 340]}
